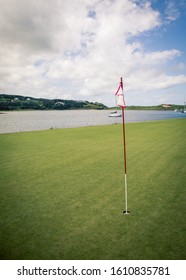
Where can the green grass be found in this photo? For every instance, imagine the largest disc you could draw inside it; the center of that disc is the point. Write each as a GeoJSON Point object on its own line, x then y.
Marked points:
{"type": "Point", "coordinates": [62, 193]}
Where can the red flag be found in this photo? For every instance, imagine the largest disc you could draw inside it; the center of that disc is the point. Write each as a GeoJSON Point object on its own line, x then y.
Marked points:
{"type": "Point", "coordinates": [120, 96]}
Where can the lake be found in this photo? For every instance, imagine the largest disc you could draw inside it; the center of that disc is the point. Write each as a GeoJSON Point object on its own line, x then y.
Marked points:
{"type": "Point", "coordinates": [16, 121]}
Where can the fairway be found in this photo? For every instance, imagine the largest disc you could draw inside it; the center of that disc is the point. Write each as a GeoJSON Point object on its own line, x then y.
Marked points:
{"type": "Point", "coordinates": [62, 193]}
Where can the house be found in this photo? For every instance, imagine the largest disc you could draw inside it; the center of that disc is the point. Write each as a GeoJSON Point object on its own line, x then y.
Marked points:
{"type": "Point", "coordinates": [166, 106]}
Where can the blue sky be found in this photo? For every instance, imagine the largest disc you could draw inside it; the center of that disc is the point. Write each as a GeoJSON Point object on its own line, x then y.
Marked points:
{"type": "Point", "coordinates": [168, 36]}
{"type": "Point", "coordinates": [171, 33]}
{"type": "Point", "coordinates": [80, 49]}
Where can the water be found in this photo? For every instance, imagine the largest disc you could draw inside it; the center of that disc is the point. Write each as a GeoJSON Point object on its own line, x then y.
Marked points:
{"type": "Point", "coordinates": [41, 120]}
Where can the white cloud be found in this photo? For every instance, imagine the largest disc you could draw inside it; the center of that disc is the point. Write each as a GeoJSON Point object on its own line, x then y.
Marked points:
{"type": "Point", "coordinates": [80, 49]}
{"type": "Point", "coordinates": [172, 10]}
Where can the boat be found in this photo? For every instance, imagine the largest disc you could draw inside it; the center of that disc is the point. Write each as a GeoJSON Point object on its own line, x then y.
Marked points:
{"type": "Point", "coordinates": [115, 114]}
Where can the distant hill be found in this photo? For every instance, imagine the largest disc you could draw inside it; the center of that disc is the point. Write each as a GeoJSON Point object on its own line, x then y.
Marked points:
{"type": "Point", "coordinates": [17, 102]}
{"type": "Point", "coordinates": [161, 107]}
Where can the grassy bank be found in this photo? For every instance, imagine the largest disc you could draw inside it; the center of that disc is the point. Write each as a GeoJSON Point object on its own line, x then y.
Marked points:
{"type": "Point", "coordinates": [62, 193]}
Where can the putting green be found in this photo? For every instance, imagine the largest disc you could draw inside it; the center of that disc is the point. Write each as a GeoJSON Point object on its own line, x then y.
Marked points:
{"type": "Point", "coordinates": [62, 193]}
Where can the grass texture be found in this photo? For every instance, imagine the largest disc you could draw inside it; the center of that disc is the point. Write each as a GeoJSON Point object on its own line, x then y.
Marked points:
{"type": "Point", "coordinates": [62, 193]}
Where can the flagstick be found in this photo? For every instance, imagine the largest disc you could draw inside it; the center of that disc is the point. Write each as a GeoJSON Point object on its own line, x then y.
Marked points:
{"type": "Point", "coordinates": [125, 162]}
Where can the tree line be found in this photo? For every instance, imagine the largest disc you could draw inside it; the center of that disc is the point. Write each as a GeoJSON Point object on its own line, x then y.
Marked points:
{"type": "Point", "coordinates": [17, 102]}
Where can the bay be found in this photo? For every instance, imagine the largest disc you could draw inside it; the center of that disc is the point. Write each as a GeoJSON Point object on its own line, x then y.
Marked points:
{"type": "Point", "coordinates": [17, 121]}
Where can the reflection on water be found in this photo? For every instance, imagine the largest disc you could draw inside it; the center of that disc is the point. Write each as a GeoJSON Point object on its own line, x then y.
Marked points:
{"type": "Point", "coordinates": [39, 120]}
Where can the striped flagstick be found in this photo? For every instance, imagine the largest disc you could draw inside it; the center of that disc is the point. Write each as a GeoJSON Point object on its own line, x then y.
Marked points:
{"type": "Point", "coordinates": [121, 103]}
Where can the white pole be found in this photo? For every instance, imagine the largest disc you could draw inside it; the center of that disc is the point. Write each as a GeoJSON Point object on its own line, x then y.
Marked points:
{"type": "Point", "coordinates": [126, 199]}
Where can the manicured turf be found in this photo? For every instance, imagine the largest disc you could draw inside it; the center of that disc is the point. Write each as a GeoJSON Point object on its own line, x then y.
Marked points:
{"type": "Point", "coordinates": [62, 193]}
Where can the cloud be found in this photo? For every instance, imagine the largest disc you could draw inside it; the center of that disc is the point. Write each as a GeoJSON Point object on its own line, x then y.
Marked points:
{"type": "Point", "coordinates": [79, 49]}
{"type": "Point", "coordinates": [39, 26]}
{"type": "Point", "coordinates": [171, 11]}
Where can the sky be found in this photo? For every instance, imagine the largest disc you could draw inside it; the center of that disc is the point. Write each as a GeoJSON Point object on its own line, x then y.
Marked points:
{"type": "Point", "coordinates": [79, 49]}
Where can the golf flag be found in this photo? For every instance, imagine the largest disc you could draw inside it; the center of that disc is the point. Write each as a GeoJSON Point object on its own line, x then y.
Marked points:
{"type": "Point", "coordinates": [120, 96]}
{"type": "Point", "coordinates": [121, 103]}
